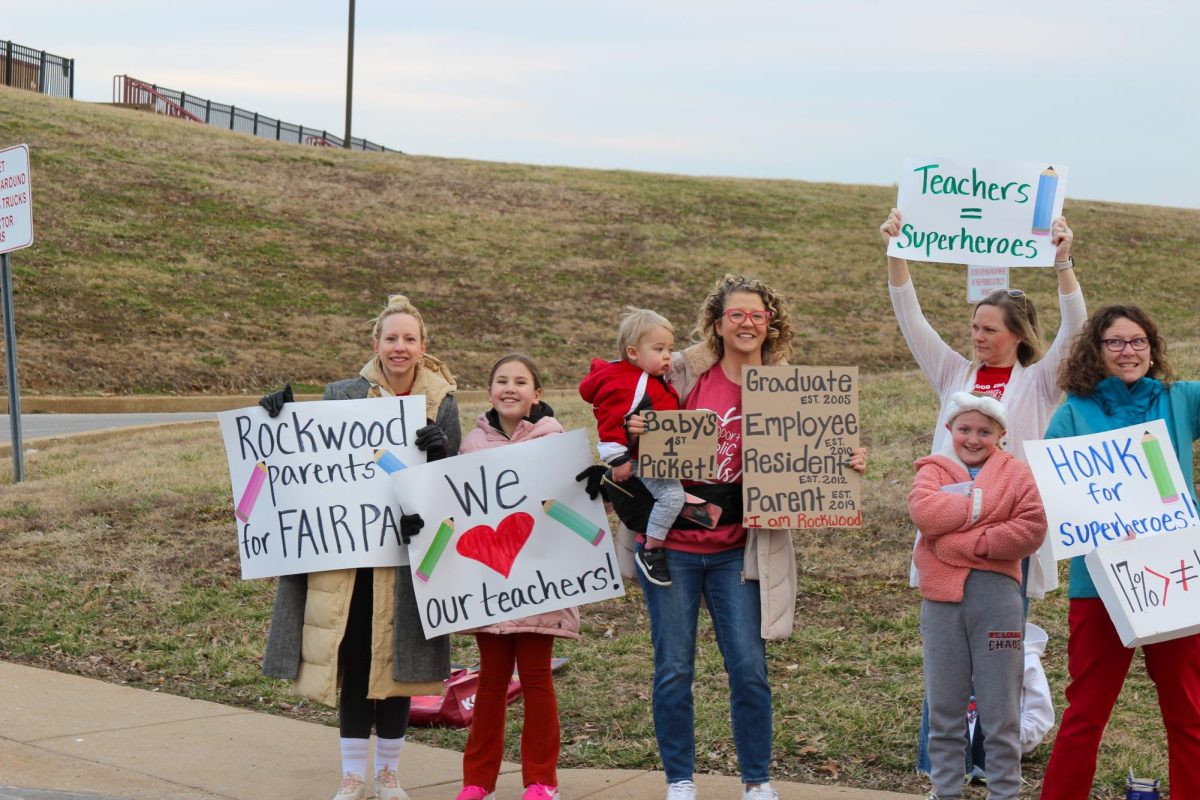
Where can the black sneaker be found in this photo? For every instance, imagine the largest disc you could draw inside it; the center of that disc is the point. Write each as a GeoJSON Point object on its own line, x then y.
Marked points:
{"type": "Point", "coordinates": [653, 564]}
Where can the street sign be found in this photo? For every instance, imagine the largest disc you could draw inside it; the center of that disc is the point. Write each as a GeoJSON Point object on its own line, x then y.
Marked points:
{"type": "Point", "coordinates": [16, 206]}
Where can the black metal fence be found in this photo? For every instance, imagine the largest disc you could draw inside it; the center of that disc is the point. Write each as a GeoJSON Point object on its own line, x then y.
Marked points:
{"type": "Point", "coordinates": [37, 70]}
{"type": "Point", "coordinates": [131, 90]}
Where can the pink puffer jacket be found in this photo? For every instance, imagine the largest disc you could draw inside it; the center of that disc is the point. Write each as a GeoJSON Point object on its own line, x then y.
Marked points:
{"type": "Point", "coordinates": [541, 422]}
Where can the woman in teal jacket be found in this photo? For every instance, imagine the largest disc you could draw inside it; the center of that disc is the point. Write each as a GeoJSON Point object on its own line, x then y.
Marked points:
{"type": "Point", "coordinates": [1117, 375]}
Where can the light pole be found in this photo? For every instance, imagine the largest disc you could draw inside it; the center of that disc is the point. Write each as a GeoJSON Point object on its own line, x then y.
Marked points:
{"type": "Point", "coordinates": [349, 76]}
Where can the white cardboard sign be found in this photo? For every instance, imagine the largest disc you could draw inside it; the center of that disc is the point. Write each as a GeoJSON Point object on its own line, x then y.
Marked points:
{"type": "Point", "coordinates": [1150, 586]}
{"type": "Point", "coordinates": [1099, 488]}
{"type": "Point", "coordinates": [982, 281]}
{"type": "Point", "coordinates": [16, 202]}
{"type": "Point", "coordinates": [311, 490]}
{"type": "Point", "coordinates": [508, 533]}
{"type": "Point", "coordinates": [986, 212]}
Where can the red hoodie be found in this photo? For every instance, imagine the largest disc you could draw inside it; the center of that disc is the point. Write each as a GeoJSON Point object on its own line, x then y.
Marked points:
{"type": "Point", "coordinates": [616, 388]}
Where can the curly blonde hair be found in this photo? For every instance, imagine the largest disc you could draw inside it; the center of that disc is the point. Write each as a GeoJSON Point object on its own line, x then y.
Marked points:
{"type": "Point", "coordinates": [398, 304]}
{"type": "Point", "coordinates": [778, 344]}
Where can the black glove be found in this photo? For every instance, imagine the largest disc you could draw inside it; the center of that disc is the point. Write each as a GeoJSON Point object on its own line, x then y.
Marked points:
{"type": "Point", "coordinates": [593, 475]}
{"type": "Point", "coordinates": [410, 526]}
{"type": "Point", "coordinates": [432, 441]}
{"type": "Point", "coordinates": [274, 401]}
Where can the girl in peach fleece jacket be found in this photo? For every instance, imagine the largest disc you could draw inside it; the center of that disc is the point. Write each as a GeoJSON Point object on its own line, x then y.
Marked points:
{"type": "Point", "coordinates": [979, 513]}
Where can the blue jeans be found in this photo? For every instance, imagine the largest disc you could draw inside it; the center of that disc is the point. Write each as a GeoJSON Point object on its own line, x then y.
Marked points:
{"type": "Point", "coordinates": [734, 606]}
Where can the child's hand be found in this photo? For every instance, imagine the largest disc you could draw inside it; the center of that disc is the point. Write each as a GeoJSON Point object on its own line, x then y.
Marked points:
{"type": "Point", "coordinates": [623, 472]}
{"type": "Point", "coordinates": [858, 460]}
{"type": "Point", "coordinates": [635, 424]}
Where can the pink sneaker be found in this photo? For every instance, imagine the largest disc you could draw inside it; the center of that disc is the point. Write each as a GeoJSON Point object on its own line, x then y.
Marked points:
{"type": "Point", "coordinates": [475, 793]}
{"type": "Point", "coordinates": [540, 791]}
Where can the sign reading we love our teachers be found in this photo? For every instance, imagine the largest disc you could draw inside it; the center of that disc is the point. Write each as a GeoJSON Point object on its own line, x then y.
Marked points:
{"type": "Point", "coordinates": [1103, 487]}
{"type": "Point", "coordinates": [982, 212]}
{"type": "Point", "coordinates": [508, 533]}
{"type": "Point", "coordinates": [311, 488]}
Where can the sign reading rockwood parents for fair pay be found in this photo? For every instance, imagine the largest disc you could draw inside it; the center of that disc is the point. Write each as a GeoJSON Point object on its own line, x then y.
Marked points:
{"type": "Point", "coordinates": [1102, 487]}
{"type": "Point", "coordinates": [679, 445]}
{"type": "Point", "coordinates": [799, 427]}
{"type": "Point", "coordinates": [508, 533]}
{"type": "Point", "coordinates": [986, 213]}
{"type": "Point", "coordinates": [311, 488]}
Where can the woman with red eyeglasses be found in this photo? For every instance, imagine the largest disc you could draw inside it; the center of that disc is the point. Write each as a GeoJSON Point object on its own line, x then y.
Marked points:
{"type": "Point", "coordinates": [1010, 362]}
{"type": "Point", "coordinates": [1118, 375]}
{"type": "Point", "coordinates": [746, 577]}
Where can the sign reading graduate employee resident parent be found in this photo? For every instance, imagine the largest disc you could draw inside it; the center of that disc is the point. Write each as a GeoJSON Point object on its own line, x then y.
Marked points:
{"type": "Point", "coordinates": [311, 488]}
{"type": "Point", "coordinates": [1149, 586]}
{"type": "Point", "coordinates": [678, 445]}
{"type": "Point", "coordinates": [987, 213]}
{"type": "Point", "coordinates": [799, 427]}
{"type": "Point", "coordinates": [508, 533]}
{"type": "Point", "coordinates": [1100, 488]}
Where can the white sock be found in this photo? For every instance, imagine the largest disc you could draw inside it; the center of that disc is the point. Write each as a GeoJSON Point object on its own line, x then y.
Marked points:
{"type": "Point", "coordinates": [387, 753]}
{"type": "Point", "coordinates": [354, 756]}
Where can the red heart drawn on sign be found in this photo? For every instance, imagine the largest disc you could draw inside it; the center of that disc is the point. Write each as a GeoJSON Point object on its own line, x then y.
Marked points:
{"type": "Point", "coordinates": [497, 547]}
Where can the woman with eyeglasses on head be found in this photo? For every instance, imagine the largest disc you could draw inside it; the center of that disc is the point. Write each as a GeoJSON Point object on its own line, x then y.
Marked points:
{"type": "Point", "coordinates": [1010, 363]}
{"type": "Point", "coordinates": [1117, 375]}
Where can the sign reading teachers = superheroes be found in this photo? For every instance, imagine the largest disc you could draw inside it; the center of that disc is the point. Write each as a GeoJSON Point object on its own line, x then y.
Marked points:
{"type": "Point", "coordinates": [508, 533]}
{"type": "Point", "coordinates": [311, 490]}
{"type": "Point", "coordinates": [799, 428]}
{"type": "Point", "coordinates": [981, 212]}
{"type": "Point", "coordinates": [1104, 487]}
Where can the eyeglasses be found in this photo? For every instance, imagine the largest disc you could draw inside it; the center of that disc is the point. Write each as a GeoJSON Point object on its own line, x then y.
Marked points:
{"type": "Point", "coordinates": [737, 316]}
{"type": "Point", "coordinates": [1117, 345]}
{"type": "Point", "coordinates": [1013, 293]}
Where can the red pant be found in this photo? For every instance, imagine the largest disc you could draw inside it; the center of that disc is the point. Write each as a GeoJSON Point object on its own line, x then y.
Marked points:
{"type": "Point", "coordinates": [531, 653]}
{"type": "Point", "coordinates": [1098, 664]}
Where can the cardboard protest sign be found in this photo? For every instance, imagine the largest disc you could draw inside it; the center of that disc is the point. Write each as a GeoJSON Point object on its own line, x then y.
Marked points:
{"type": "Point", "coordinates": [508, 533]}
{"type": "Point", "coordinates": [799, 427]}
{"type": "Point", "coordinates": [311, 489]}
{"type": "Point", "coordinates": [982, 281]}
{"type": "Point", "coordinates": [1100, 487]}
{"type": "Point", "coordinates": [1150, 586]}
{"type": "Point", "coordinates": [988, 213]}
{"type": "Point", "coordinates": [680, 445]}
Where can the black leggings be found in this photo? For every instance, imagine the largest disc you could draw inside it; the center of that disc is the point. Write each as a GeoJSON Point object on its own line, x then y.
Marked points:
{"type": "Point", "coordinates": [356, 714]}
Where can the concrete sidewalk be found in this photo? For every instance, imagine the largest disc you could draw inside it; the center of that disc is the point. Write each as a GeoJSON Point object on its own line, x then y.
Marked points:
{"type": "Point", "coordinates": [63, 737]}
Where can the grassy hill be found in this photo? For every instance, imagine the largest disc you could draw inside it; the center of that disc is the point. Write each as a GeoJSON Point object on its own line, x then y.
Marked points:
{"type": "Point", "coordinates": [178, 258]}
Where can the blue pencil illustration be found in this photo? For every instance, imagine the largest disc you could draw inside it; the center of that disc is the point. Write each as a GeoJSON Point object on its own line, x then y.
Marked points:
{"type": "Point", "coordinates": [1043, 207]}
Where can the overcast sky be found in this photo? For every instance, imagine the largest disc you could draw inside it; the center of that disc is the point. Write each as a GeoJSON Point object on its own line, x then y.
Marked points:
{"type": "Point", "coordinates": [840, 90]}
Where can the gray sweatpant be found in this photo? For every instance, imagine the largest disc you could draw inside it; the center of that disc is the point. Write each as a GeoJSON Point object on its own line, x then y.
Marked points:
{"type": "Point", "coordinates": [979, 642]}
{"type": "Point", "coordinates": [668, 502]}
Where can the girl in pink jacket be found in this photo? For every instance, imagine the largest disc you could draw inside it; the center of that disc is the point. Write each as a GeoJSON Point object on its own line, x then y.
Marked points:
{"type": "Point", "coordinates": [979, 513]}
{"type": "Point", "coordinates": [517, 415]}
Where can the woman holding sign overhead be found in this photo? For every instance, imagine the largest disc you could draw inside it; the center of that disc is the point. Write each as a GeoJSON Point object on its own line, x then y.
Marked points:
{"type": "Point", "coordinates": [746, 577]}
{"type": "Point", "coordinates": [359, 629]}
{"type": "Point", "coordinates": [1117, 376]}
{"type": "Point", "coordinates": [1010, 363]}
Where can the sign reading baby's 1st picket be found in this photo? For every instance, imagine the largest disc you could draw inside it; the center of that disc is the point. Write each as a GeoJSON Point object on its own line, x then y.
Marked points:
{"type": "Point", "coordinates": [311, 488]}
{"type": "Point", "coordinates": [1103, 487]}
{"type": "Point", "coordinates": [678, 445]}
{"type": "Point", "coordinates": [982, 212]}
{"type": "Point", "coordinates": [508, 533]}
{"type": "Point", "coordinates": [799, 428]}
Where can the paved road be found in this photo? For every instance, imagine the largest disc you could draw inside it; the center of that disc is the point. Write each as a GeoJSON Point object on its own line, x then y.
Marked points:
{"type": "Point", "coordinates": [34, 426]}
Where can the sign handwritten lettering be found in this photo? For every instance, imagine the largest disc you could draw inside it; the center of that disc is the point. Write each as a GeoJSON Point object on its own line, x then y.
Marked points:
{"type": "Point", "coordinates": [799, 427]}
{"type": "Point", "coordinates": [508, 533]}
{"type": "Point", "coordinates": [680, 445]}
{"type": "Point", "coordinates": [310, 488]}
{"type": "Point", "coordinates": [1102, 487]}
{"type": "Point", "coordinates": [988, 213]}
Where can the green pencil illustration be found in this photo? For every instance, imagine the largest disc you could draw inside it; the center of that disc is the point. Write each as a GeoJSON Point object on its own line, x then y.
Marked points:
{"type": "Point", "coordinates": [578, 523]}
{"type": "Point", "coordinates": [1158, 468]}
{"type": "Point", "coordinates": [434, 553]}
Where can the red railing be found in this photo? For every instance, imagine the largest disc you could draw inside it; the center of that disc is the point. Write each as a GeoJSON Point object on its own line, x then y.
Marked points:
{"type": "Point", "coordinates": [132, 91]}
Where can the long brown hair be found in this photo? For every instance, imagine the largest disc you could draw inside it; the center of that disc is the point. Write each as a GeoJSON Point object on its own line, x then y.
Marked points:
{"type": "Point", "coordinates": [778, 344]}
{"type": "Point", "coordinates": [1085, 368]}
{"type": "Point", "coordinates": [1021, 319]}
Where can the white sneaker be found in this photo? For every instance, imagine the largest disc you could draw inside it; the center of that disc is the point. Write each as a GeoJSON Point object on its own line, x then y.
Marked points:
{"type": "Point", "coordinates": [352, 788]}
{"type": "Point", "coordinates": [761, 792]}
{"type": "Point", "coordinates": [681, 790]}
{"type": "Point", "coordinates": [387, 786]}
